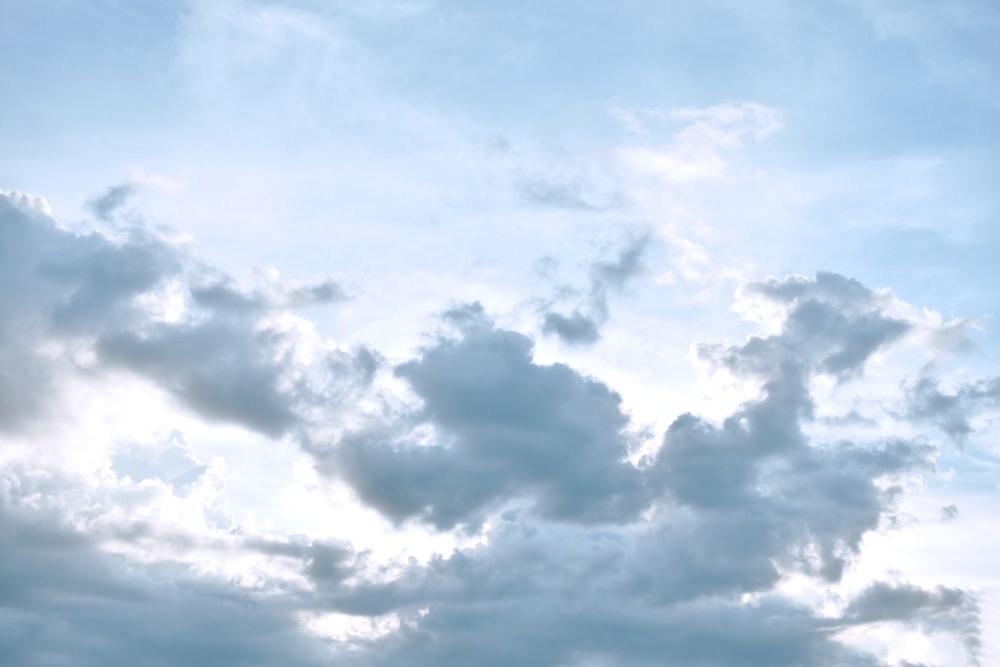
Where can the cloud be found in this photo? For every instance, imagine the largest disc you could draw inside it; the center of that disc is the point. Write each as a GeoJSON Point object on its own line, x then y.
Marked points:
{"type": "Point", "coordinates": [68, 602]}
{"type": "Point", "coordinates": [831, 324]}
{"type": "Point", "coordinates": [579, 555]}
{"type": "Point", "coordinates": [720, 512]}
{"type": "Point", "coordinates": [951, 412]}
{"type": "Point", "coordinates": [942, 609]}
{"type": "Point", "coordinates": [224, 354]}
{"type": "Point", "coordinates": [105, 206]}
{"type": "Point", "coordinates": [575, 329]}
{"type": "Point", "coordinates": [582, 326]}
{"type": "Point", "coordinates": [58, 285]}
{"type": "Point", "coordinates": [502, 428]}
{"type": "Point", "coordinates": [573, 194]}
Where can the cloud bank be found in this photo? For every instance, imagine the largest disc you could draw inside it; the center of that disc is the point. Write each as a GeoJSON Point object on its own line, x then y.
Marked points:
{"type": "Point", "coordinates": [592, 546]}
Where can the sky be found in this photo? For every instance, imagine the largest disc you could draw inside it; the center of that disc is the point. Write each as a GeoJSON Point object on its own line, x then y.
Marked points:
{"type": "Point", "coordinates": [561, 334]}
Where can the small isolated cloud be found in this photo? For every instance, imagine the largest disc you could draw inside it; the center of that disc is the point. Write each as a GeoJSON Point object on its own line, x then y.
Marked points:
{"type": "Point", "coordinates": [574, 329]}
{"type": "Point", "coordinates": [105, 206]}
{"type": "Point", "coordinates": [573, 194]}
{"type": "Point", "coordinates": [582, 326]}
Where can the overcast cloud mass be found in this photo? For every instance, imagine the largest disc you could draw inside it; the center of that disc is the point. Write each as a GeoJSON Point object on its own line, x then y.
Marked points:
{"type": "Point", "coordinates": [404, 333]}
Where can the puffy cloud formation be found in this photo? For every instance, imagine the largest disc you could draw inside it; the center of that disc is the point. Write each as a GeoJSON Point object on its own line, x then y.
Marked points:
{"type": "Point", "coordinates": [69, 295]}
{"type": "Point", "coordinates": [588, 545]}
{"type": "Point", "coordinates": [719, 512]}
{"type": "Point", "coordinates": [504, 428]}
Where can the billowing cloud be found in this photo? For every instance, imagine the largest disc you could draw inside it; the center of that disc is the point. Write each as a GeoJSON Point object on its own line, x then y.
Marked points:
{"type": "Point", "coordinates": [501, 427]}
{"type": "Point", "coordinates": [590, 543]}
{"type": "Point", "coordinates": [223, 354]}
{"type": "Point", "coordinates": [720, 512]}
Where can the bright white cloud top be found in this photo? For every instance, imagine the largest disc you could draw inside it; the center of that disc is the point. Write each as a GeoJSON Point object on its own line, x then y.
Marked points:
{"type": "Point", "coordinates": [561, 334]}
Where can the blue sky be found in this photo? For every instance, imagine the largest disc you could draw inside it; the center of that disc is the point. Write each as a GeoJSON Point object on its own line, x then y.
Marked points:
{"type": "Point", "coordinates": [330, 312]}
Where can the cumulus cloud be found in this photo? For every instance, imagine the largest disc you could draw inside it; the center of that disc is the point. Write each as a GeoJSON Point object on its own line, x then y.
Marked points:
{"type": "Point", "coordinates": [502, 427]}
{"type": "Point", "coordinates": [719, 512]}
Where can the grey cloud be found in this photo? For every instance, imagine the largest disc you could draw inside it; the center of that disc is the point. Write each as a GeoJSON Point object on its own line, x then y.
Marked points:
{"type": "Point", "coordinates": [220, 369]}
{"type": "Point", "coordinates": [720, 511]}
{"type": "Point", "coordinates": [569, 194]}
{"type": "Point", "coordinates": [900, 602]}
{"type": "Point", "coordinates": [222, 360]}
{"type": "Point", "coordinates": [325, 292]}
{"type": "Point", "coordinates": [942, 609]}
{"type": "Point", "coordinates": [505, 427]}
{"type": "Point", "coordinates": [951, 411]}
{"type": "Point", "coordinates": [56, 284]}
{"type": "Point", "coordinates": [223, 294]}
{"type": "Point", "coordinates": [583, 325]}
{"type": "Point", "coordinates": [559, 595]}
{"type": "Point", "coordinates": [574, 329]}
{"type": "Point", "coordinates": [593, 561]}
{"type": "Point", "coordinates": [834, 325]}
{"type": "Point", "coordinates": [67, 602]}
{"type": "Point", "coordinates": [105, 206]}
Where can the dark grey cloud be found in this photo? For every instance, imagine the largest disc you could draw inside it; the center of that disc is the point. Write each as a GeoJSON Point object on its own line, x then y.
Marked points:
{"type": "Point", "coordinates": [582, 326]}
{"type": "Point", "coordinates": [222, 360]}
{"type": "Point", "coordinates": [504, 427]}
{"type": "Point", "coordinates": [952, 411]}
